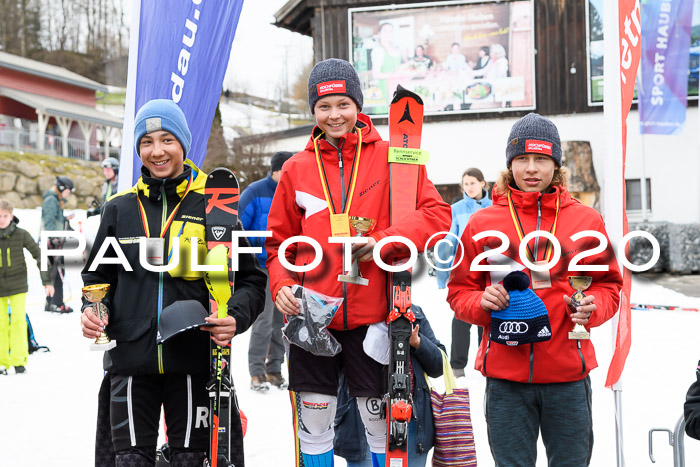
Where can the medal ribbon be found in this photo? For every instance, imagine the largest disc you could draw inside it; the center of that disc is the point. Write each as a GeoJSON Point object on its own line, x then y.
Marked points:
{"type": "Point", "coordinates": [519, 229]}
{"type": "Point", "coordinates": [166, 224]}
{"type": "Point", "coordinates": [324, 182]}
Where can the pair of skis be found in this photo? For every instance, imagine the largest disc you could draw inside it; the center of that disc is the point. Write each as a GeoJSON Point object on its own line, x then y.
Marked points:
{"type": "Point", "coordinates": [405, 157]}
{"type": "Point", "coordinates": [221, 217]}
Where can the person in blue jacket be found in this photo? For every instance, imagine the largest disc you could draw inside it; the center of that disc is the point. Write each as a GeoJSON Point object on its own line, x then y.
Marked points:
{"type": "Point", "coordinates": [266, 350]}
{"type": "Point", "coordinates": [475, 197]}
{"type": "Point", "coordinates": [350, 442]}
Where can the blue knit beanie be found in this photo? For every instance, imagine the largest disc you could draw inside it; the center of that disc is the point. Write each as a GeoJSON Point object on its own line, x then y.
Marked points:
{"type": "Point", "coordinates": [525, 320]}
{"type": "Point", "coordinates": [162, 114]}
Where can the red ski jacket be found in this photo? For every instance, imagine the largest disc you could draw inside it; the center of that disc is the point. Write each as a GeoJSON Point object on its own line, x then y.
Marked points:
{"type": "Point", "coordinates": [299, 207]}
{"type": "Point", "coordinates": [558, 359]}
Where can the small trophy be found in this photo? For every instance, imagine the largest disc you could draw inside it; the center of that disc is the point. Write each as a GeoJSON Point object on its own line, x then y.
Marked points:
{"type": "Point", "coordinates": [579, 283]}
{"type": "Point", "coordinates": [94, 294]}
{"type": "Point", "coordinates": [362, 226]}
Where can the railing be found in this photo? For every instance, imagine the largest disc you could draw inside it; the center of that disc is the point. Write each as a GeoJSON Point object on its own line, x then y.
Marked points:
{"type": "Point", "coordinates": [24, 140]}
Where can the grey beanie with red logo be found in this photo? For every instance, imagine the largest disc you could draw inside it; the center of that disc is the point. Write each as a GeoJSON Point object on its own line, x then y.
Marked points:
{"type": "Point", "coordinates": [534, 134]}
{"type": "Point", "coordinates": [334, 77]}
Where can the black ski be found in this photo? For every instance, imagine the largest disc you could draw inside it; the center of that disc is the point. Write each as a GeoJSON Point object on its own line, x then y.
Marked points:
{"type": "Point", "coordinates": [221, 212]}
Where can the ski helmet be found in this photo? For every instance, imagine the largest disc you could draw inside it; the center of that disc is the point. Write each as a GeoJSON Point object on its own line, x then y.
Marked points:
{"type": "Point", "coordinates": [112, 163]}
{"type": "Point", "coordinates": [65, 183]}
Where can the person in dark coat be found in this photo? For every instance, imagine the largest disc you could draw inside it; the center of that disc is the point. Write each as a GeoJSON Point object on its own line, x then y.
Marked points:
{"type": "Point", "coordinates": [350, 441]}
{"type": "Point", "coordinates": [691, 409]}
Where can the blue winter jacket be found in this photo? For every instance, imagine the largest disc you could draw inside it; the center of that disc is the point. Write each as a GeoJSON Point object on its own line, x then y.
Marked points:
{"type": "Point", "coordinates": [350, 441]}
{"type": "Point", "coordinates": [461, 212]}
{"type": "Point", "coordinates": [253, 208]}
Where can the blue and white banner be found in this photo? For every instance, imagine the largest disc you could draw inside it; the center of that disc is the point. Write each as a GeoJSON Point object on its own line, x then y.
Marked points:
{"type": "Point", "coordinates": [179, 50]}
{"type": "Point", "coordinates": [663, 94]}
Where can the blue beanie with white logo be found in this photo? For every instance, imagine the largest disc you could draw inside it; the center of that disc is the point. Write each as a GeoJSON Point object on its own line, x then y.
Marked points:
{"type": "Point", "coordinates": [162, 114]}
{"type": "Point", "coordinates": [525, 320]}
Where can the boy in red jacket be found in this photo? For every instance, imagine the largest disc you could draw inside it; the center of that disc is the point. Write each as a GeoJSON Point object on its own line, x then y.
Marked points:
{"type": "Point", "coordinates": [541, 386]}
{"type": "Point", "coordinates": [342, 172]}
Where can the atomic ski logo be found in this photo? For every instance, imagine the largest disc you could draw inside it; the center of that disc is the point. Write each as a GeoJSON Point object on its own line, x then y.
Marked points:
{"type": "Point", "coordinates": [218, 232]}
{"type": "Point", "coordinates": [406, 115]}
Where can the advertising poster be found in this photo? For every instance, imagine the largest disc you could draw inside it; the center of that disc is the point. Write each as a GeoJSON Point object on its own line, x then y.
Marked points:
{"type": "Point", "coordinates": [459, 57]}
{"type": "Point", "coordinates": [595, 51]}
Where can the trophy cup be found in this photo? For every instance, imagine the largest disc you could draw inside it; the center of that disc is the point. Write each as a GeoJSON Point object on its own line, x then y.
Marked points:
{"type": "Point", "coordinates": [579, 283]}
{"type": "Point", "coordinates": [362, 226]}
{"type": "Point", "coordinates": [94, 294]}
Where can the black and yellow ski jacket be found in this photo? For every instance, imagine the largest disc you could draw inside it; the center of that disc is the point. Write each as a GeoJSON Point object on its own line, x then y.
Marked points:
{"type": "Point", "coordinates": [172, 209]}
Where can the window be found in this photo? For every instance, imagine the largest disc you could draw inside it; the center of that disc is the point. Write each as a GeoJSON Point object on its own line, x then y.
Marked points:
{"type": "Point", "coordinates": [634, 194]}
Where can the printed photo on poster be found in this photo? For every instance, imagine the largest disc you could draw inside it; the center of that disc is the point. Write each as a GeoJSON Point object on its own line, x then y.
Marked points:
{"type": "Point", "coordinates": [459, 57]}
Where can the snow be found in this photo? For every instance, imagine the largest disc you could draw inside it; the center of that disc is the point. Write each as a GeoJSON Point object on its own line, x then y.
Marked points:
{"type": "Point", "coordinates": [48, 414]}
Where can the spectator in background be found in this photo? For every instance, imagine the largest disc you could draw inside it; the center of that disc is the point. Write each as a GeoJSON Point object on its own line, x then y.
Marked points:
{"type": "Point", "coordinates": [110, 169]}
{"type": "Point", "coordinates": [475, 197]}
{"type": "Point", "coordinates": [52, 218]}
{"type": "Point", "coordinates": [350, 441]}
{"type": "Point", "coordinates": [691, 409]}
{"type": "Point", "coordinates": [13, 289]}
{"type": "Point", "coordinates": [266, 350]}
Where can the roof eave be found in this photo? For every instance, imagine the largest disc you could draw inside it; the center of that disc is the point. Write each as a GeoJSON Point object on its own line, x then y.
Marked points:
{"type": "Point", "coordinates": [96, 86]}
{"type": "Point", "coordinates": [295, 16]}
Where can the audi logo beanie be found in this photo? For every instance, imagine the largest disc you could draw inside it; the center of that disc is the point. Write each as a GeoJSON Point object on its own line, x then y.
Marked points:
{"type": "Point", "coordinates": [525, 320]}
{"type": "Point", "coordinates": [534, 134]}
{"type": "Point", "coordinates": [334, 77]}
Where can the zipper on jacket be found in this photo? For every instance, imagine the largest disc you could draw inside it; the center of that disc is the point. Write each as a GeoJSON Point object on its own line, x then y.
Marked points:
{"type": "Point", "coordinates": [580, 354]}
{"type": "Point", "coordinates": [532, 362]}
{"type": "Point", "coordinates": [342, 209]}
{"type": "Point", "coordinates": [163, 219]}
{"type": "Point", "coordinates": [539, 219]}
{"type": "Point", "coordinates": [486, 354]}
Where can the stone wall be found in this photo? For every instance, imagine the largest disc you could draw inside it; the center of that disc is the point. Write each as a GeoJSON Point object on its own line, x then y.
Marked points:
{"type": "Point", "coordinates": [25, 177]}
{"type": "Point", "coordinates": [679, 247]}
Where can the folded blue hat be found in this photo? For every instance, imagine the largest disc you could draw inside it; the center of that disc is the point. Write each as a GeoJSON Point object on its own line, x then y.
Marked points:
{"type": "Point", "coordinates": [525, 320]}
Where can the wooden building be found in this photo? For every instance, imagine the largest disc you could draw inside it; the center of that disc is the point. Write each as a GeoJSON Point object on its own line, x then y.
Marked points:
{"type": "Point", "coordinates": [560, 44]}
{"type": "Point", "coordinates": [49, 109]}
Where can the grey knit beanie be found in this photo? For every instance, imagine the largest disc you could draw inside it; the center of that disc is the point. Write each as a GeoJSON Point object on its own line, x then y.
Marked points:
{"type": "Point", "coordinates": [533, 134]}
{"type": "Point", "coordinates": [332, 77]}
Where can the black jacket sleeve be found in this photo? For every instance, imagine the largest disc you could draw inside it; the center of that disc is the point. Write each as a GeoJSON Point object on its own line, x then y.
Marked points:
{"type": "Point", "coordinates": [428, 354]}
{"type": "Point", "coordinates": [691, 409]}
{"type": "Point", "coordinates": [248, 299]}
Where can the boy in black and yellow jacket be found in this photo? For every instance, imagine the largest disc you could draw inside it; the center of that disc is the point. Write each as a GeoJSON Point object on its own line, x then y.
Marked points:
{"type": "Point", "coordinates": [167, 206]}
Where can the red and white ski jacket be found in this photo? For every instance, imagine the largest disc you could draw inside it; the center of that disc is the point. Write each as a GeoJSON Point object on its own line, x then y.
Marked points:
{"type": "Point", "coordinates": [559, 359]}
{"type": "Point", "coordinates": [299, 207]}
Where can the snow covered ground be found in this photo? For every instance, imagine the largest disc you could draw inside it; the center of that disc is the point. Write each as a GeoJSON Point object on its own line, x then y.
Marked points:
{"type": "Point", "coordinates": [47, 415]}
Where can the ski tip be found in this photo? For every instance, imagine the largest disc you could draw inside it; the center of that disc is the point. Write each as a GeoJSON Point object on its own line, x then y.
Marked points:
{"type": "Point", "coordinates": [402, 92]}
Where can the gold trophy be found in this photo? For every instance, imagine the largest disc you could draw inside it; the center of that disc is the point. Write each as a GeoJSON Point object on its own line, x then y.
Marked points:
{"type": "Point", "coordinates": [361, 226]}
{"type": "Point", "coordinates": [579, 283]}
{"type": "Point", "coordinates": [94, 294]}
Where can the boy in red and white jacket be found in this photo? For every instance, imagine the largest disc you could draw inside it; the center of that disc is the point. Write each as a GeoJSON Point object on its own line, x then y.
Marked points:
{"type": "Point", "coordinates": [542, 386]}
{"type": "Point", "coordinates": [343, 171]}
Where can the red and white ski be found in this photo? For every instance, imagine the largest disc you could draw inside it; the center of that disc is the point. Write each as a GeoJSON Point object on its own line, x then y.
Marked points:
{"type": "Point", "coordinates": [405, 126]}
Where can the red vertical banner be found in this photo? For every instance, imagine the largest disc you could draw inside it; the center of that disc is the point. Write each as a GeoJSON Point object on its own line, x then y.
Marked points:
{"type": "Point", "coordinates": [630, 43]}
